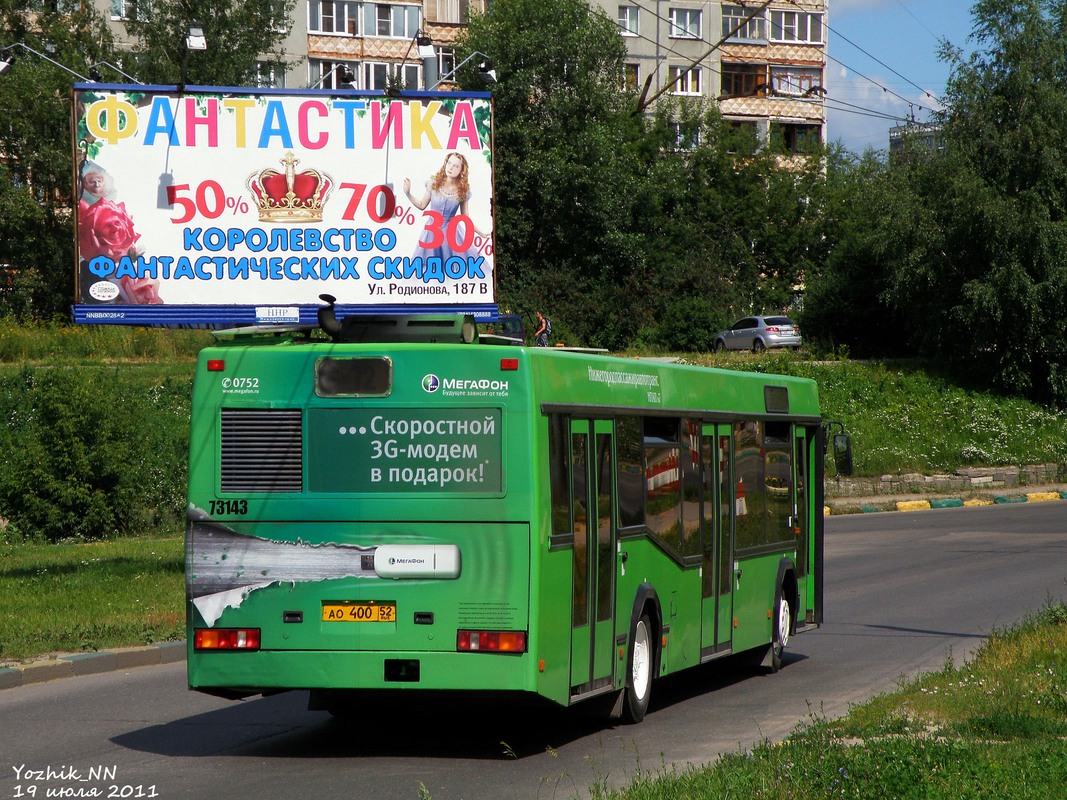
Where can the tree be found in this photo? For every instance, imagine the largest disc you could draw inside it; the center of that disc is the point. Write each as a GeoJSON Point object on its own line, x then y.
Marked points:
{"type": "Point", "coordinates": [36, 231]}
{"type": "Point", "coordinates": [988, 286]}
{"type": "Point", "coordinates": [565, 175]}
{"type": "Point", "coordinates": [869, 216]}
{"type": "Point", "coordinates": [238, 34]}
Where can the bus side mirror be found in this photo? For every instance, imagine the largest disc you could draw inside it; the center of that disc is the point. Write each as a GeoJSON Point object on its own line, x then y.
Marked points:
{"type": "Point", "coordinates": [842, 454]}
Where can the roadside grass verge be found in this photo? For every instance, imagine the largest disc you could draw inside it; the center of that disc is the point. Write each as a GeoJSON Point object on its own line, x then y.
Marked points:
{"type": "Point", "coordinates": [80, 597]}
{"type": "Point", "coordinates": [906, 417]}
{"type": "Point", "coordinates": [995, 727]}
{"type": "Point", "coordinates": [59, 342]}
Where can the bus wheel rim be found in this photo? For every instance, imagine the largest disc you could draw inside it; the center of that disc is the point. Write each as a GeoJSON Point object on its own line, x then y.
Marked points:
{"type": "Point", "coordinates": [642, 668]}
{"type": "Point", "coordinates": [783, 623]}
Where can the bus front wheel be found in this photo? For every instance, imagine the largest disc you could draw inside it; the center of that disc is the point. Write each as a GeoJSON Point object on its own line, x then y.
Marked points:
{"type": "Point", "coordinates": [639, 672]}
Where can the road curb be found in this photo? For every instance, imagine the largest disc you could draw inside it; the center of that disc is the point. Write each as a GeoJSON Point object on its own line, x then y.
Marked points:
{"type": "Point", "coordinates": [76, 664]}
{"type": "Point", "coordinates": [870, 505]}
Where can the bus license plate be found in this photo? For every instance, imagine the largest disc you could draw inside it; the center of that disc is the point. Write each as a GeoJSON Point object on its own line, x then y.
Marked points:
{"type": "Point", "coordinates": [359, 612]}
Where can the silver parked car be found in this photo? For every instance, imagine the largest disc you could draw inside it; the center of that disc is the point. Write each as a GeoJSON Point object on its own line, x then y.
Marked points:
{"type": "Point", "coordinates": [759, 333]}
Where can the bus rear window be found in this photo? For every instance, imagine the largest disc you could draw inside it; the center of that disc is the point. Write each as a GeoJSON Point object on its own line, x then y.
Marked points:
{"type": "Point", "coordinates": [353, 377]}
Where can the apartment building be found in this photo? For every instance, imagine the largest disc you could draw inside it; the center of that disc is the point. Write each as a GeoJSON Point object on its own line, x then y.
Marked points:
{"type": "Point", "coordinates": [355, 44]}
{"type": "Point", "coordinates": [764, 63]}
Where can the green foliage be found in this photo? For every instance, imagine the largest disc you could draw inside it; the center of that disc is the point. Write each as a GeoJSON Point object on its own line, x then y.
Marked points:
{"type": "Point", "coordinates": [909, 417]}
{"type": "Point", "coordinates": [238, 33]}
{"type": "Point", "coordinates": [92, 453]}
{"type": "Point", "coordinates": [687, 325]}
{"type": "Point", "coordinates": [961, 256]}
{"type": "Point", "coordinates": [36, 233]}
{"type": "Point", "coordinates": [565, 181]}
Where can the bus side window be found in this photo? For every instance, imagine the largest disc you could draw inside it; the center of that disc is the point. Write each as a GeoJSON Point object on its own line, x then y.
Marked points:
{"type": "Point", "coordinates": [559, 476]}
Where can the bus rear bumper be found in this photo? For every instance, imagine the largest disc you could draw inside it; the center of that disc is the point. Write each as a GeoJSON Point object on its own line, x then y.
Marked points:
{"type": "Point", "coordinates": [268, 671]}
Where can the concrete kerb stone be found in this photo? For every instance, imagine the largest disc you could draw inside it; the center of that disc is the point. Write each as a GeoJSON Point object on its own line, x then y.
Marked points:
{"type": "Point", "coordinates": [847, 501]}
{"type": "Point", "coordinates": [69, 665]}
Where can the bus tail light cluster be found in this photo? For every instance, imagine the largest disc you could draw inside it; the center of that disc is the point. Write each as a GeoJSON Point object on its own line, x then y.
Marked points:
{"type": "Point", "coordinates": [226, 639]}
{"type": "Point", "coordinates": [491, 641]}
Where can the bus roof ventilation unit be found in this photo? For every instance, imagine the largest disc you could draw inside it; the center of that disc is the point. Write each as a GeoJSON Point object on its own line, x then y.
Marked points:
{"type": "Point", "coordinates": [426, 328]}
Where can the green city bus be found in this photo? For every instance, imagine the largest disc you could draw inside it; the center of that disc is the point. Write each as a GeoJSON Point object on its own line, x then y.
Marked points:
{"type": "Point", "coordinates": [405, 507]}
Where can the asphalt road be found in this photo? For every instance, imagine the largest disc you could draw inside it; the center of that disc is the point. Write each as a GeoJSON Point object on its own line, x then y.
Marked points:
{"type": "Point", "coordinates": [905, 592]}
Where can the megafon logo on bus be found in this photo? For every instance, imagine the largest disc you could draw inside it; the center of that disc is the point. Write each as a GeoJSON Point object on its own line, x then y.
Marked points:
{"type": "Point", "coordinates": [465, 387]}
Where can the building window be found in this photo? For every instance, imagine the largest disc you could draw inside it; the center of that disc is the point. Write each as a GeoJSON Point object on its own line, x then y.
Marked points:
{"type": "Point", "coordinates": [686, 135]}
{"type": "Point", "coordinates": [446, 61]}
{"type": "Point", "coordinates": [631, 77]}
{"type": "Point", "coordinates": [685, 23]}
{"type": "Point", "coordinates": [279, 21]}
{"type": "Point", "coordinates": [378, 75]}
{"type": "Point", "coordinates": [394, 20]}
{"type": "Point", "coordinates": [454, 11]}
{"type": "Point", "coordinates": [795, 81]}
{"type": "Point", "coordinates": [796, 26]}
{"type": "Point", "coordinates": [685, 81]}
{"type": "Point", "coordinates": [138, 10]}
{"type": "Point", "coordinates": [744, 136]}
{"type": "Point", "coordinates": [270, 75]}
{"type": "Point", "coordinates": [326, 75]}
{"type": "Point", "coordinates": [787, 137]}
{"type": "Point", "coordinates": [733, 18]}
{"type": "Point", "coordinates": [743, 80]}
{"type": "Point", "coordinates": [334, 16]}
{"type": "Point", "coordinates": [629, 20]}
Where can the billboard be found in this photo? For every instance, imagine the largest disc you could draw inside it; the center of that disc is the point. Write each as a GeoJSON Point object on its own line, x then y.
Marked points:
{"type": "Point", "coordinates": [220, 206]}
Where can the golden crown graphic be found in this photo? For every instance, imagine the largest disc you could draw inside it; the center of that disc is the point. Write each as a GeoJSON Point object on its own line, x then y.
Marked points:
{"type": "Point", "coordinates": [290, 196]}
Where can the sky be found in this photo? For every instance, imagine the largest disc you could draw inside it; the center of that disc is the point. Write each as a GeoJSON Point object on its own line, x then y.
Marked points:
{"type": "Point", "coordinates": [883, 60]}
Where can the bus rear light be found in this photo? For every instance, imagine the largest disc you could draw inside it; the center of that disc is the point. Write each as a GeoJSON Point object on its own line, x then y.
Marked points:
{"type": "Point", "coordinates": [216, 365]}
{"type": "Point", "coordinates": [491, 641]}
{"type": "Point", "coordinates": [226, 639]}
{"type": "Point", "coordinates": [509, 364]}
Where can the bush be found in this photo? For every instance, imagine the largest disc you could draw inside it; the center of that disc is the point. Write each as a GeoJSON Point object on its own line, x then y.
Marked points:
{"type": "Point", "coordinates": [688, 325]}
{"type": "Point", "coordinates": [92, 452]}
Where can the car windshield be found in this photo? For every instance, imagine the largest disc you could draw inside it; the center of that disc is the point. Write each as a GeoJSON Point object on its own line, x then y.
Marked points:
{"type": "Point", "coordinates": [779, 321]}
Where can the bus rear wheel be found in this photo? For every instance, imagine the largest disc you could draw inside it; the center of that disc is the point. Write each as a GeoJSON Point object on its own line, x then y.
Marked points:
{"type": "Point", "coordinates": [639, 672]}
{"type": "Point", "coordinates": [783, 616]}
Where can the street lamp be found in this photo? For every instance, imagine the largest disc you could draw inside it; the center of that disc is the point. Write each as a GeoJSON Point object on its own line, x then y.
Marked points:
{"type": "Point", "coordinates": [196, 39]}
{"type": "Point", "coordinates": [485, 69]}
{"type": "Point", "coordinates": [7, 58]}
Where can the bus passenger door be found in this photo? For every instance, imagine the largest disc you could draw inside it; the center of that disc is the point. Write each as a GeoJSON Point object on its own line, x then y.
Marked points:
{"type": "Point", "coordinates": [800, 522]}
{"type": "Point", "coordinates": [718, 514]}
{"type": "Point", "coordinates": [592, 627]}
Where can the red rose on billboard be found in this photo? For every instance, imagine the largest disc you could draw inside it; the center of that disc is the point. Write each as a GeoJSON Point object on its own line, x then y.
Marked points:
{"type": "Point", "coordinates": [105, 229]}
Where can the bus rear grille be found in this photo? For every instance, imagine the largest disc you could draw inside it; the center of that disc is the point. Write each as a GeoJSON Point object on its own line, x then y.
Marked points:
{"type": "Point", "coordinates": [262, 450]}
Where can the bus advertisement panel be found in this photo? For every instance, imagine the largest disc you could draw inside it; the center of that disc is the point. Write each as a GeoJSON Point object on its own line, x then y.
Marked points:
{"type": "Point", "coordinates": [236, 206]}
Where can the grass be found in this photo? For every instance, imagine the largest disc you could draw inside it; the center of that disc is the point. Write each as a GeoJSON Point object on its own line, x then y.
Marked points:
{"type": "Point", "coordinates": [906, 417]}
{"type": "Point", "coordinates": [78, 597]}
{"type": "Point", "coordinates": [995, 727]}
{"type": "Point", "coordinates": [60, 343]}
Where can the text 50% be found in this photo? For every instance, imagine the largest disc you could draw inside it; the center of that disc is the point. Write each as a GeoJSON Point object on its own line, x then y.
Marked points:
{"type": "Point", "coordinates": [208, 200]}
